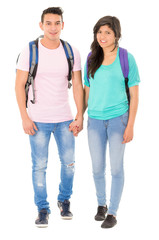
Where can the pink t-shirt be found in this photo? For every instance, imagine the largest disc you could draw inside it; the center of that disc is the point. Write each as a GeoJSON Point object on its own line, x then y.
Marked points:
{"type": "Point", "coordinates": [51, 84]}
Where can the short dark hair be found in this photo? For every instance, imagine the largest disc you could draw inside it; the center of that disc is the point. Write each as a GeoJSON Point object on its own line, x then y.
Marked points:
{"type": "Point", "coordinates": [53, 10]}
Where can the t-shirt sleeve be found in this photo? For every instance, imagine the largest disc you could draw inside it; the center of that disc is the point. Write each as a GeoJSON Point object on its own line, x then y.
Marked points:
{"type": "Point", "coordinates": [86, 82]}
{"type": "Point", "coordinates": [23, 60]}
{"type": "Point", "coordinates": [133, 76]}
{"type": "Point", "coordinates": [77, 60]}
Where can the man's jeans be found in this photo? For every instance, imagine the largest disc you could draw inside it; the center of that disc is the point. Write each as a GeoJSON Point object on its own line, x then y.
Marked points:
{"type": "Point", "coordinates": [39, 146]}
{"type": "Point", "coordinates": [99, 133]}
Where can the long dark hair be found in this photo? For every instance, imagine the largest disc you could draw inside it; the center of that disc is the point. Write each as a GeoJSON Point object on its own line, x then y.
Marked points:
{"type": "Point", "coordinates": [97, 55]}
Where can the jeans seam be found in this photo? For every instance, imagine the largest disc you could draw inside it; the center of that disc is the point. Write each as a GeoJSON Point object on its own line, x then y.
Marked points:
{"type": "Point", "coordinates": [54, 129]}
{"type": "Point", "coordinates": [106, 124]}
{"type": "Point", "coordinates": [123, 121]}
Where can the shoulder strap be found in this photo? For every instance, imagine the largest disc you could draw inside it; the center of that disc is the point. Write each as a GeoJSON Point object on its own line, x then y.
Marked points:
{"type": "Point", "coordinates": [33, 64]}
{"type": "Point", "coordinates": [123, 55]}
{"type": "Point", "coordinates": [70, 58]}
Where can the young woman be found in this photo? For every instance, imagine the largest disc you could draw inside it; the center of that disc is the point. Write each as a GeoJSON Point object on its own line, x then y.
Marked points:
{"type": "Point", "coordinates": [110, 116]}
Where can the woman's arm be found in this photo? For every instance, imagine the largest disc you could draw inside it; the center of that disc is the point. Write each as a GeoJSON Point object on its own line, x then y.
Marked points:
{"type": "Point", "coordinates": [134, 96]}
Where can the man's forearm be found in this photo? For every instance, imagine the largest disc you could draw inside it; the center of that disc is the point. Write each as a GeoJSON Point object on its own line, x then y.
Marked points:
{"type": "Point", "coordinates": [21, 100]}
{"type": "Point", "coordinates": [78, 97]}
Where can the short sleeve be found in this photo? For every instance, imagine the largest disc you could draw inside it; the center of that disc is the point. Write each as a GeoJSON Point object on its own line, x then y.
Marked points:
{"type": "Point", "coordinates": [23, 60]}
{"type": "Point", "coordinates": [86, 82]}
{"type": "Point", "coordinates": [77, 60]}
{"type": "Point", "coordinates": [133, 76]}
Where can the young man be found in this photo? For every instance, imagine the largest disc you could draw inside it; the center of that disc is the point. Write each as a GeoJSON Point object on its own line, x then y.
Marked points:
{"type": "Point", "coordinates": [51, 112]}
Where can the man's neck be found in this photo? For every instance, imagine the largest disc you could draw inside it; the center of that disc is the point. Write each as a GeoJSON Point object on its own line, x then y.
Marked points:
{"type": "Point", "coordinates": [50, 44]}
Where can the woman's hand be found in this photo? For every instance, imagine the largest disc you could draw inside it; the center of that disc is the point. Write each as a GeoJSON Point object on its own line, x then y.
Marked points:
{"type": "Point", "coordinates": [76, 126]}
{"type": "Point", "coordinates": [128, 135]}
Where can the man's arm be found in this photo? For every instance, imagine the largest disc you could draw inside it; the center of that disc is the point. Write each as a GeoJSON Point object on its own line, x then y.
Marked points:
{"type": "Point", "coordinates": [77, 125]}
{"type": "Point", "coordinates": [21, 79]}
{"type": "Point", "coordinates": [128, 134]}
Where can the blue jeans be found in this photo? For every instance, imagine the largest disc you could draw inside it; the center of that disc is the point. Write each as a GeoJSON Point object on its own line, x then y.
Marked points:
{"type": "Point", "coordinates": [39, 147]}
{"type": "Point", "coordinates": [99, 133]}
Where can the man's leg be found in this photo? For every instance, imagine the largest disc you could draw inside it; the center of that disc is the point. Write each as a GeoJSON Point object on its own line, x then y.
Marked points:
{"type": "Point", "coordinates": [39, 147]}
{"type": "Point", "coordinates": [66, 146]}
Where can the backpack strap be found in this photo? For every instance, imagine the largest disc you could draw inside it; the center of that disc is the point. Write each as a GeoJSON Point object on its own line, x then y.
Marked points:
{"type": "Point", "coordinates": [33, 64]}
{"type": "Point", "coordinates": [123, 55]}
{"type": "Point", "coordinates": [70, 58]}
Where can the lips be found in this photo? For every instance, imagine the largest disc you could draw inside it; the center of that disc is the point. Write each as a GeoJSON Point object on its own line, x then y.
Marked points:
{"type": "Point", "coordinates": [102, 41]}
{"type": "Point", "coordinates": [53, 34]}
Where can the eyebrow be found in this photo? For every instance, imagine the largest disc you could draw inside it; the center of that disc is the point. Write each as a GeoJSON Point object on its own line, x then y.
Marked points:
{"type": "Point", "coordinates": [55, 22]}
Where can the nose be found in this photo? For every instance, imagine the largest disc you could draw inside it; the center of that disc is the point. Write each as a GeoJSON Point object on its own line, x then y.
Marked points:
{"type": "Point", "coordinates": [53, 27]}
{"type": "Point", "coordinates": [103, 36]}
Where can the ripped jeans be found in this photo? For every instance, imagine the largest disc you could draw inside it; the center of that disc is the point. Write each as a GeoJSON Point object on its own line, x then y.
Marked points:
{"type": "Point", "coordinates": [39, 147]}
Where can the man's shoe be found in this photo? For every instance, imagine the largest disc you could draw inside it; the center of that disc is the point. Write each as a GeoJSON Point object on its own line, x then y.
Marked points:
{"type": "Point", "coordinates": [65, 209]}
{"type": "Point", "coordinates": [109, 222]}
{"type": "Point", "coordinates": [42, 219]}
{"type": "Point", "coordinates": [101, 211]}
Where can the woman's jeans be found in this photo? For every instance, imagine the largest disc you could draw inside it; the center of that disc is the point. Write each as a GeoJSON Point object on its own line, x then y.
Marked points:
{"type": "Point", "coordinates": [99, 133]}
{"type": "Point", "coordinates": [39, 147]}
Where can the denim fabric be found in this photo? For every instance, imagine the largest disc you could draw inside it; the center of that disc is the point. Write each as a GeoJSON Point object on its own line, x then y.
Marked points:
{"type": "Point", "coordinates": [39, 147]}
{"type": "Point", "coordinates": [99, 133]}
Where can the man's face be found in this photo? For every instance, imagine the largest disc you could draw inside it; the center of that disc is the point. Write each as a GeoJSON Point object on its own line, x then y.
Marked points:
{"type": "Point", "coordinates": [52, 26]}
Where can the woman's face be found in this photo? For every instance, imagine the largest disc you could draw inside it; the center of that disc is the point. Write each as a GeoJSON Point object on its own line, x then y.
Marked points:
{"type": "Point", "coordinates": [105, 37]}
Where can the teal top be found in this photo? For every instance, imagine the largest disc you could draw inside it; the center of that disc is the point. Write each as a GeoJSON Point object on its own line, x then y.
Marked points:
{"type": "Point", "coordinates": [107, 94]}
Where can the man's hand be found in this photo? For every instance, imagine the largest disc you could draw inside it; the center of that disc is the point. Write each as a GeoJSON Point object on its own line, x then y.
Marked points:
{"type": "Point", "coordinates": [29, 126]}
{"type": "Point", "coordinates": [76, 126]}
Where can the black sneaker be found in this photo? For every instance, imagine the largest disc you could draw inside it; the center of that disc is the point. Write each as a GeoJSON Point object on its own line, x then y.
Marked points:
{"type": "Point", "coordinates": [42, 219]}
{"type": "Point", "coordinates": [109, 222]}
{"type": "Point", "coordinates": [65, 209]}
{"type": "Point", "coordinates": [101, 211]}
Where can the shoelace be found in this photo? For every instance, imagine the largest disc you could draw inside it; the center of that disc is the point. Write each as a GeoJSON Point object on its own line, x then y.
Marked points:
{"type": "Point", "coordinates": [65, 206]}
{"type": "Point", "coordinates": [110, 217]}
{"type": "Point", "coordinates": [42, 215]}
{"type": "Point", "coordinates": [101, 210]}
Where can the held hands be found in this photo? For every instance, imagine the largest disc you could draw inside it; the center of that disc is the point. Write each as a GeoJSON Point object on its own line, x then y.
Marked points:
{"type": "Point", "coordinates": [76, 126]}
{"type": "Point", "coordinates": [29, 126]}
{"type": "Point", "coordinates": [128, 135]}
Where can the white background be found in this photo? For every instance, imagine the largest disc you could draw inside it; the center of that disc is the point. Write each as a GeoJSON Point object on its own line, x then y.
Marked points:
{"type": "Point", "coordinates": [139, 208]}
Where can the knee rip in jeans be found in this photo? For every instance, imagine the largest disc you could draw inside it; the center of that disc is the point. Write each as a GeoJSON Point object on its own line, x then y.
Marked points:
{"type": "Point", "coordinates": [40, 185]}
{"type": "Point", "coordinates": [70, 165]}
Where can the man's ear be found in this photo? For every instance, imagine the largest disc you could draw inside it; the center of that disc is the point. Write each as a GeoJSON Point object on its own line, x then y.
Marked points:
{"type": "Point", "coordinates": [41, 26]}
{"type": "Point", "coordinates": [62, 25]}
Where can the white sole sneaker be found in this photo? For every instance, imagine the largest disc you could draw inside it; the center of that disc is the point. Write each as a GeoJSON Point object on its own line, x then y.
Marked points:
{"type": "Point", "coordinates": [66, 218]}
{"type": "Point", "coordinates": [41, 225]}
